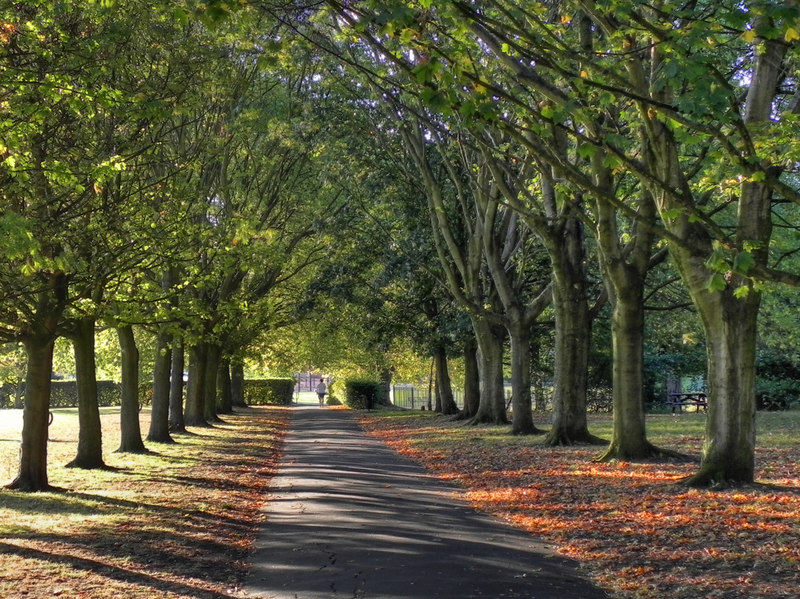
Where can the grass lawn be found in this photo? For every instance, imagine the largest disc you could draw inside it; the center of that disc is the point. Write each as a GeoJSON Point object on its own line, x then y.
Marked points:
{"type": "Point", "coordinates": [637, 532]}
{"type": "Point", "coordinates": [177, 522]}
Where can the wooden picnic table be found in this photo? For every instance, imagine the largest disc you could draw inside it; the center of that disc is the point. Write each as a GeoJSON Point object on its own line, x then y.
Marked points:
{"type": "Point", "coordinates": [680, 400]}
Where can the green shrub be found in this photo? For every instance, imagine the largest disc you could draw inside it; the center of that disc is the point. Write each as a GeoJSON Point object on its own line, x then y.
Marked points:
{"type": "Point", "coordinates": [268, 392]}
{"type": "Point", "coordinates": [332, 400]}
{"type": "Point", "coordinates": [145, 393]}
{"type": "Point", "coordinates": [64, 394]}
{"type": "Point", "coordinates": [362, 394]}
{"type": "Point", "coordinates": [777, 381]}
{"type": "Point", "coordinates": [8, 394]}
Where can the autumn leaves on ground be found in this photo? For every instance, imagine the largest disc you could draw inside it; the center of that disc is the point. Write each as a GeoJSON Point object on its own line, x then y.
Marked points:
{"type": "Point", "coordinates": [181, 521]}
{"type": "Point", "coordinates": [637, 532]}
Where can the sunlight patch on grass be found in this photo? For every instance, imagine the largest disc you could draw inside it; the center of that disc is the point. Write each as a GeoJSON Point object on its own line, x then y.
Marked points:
{"type": "Point", "coordinates": [176, 522]}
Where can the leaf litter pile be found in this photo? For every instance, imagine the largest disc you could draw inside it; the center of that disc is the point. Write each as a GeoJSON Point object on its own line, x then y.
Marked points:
{"type": "Point", "coordinates": [177, 522]}
{"type": "Point", "coordinates": [636, 531]}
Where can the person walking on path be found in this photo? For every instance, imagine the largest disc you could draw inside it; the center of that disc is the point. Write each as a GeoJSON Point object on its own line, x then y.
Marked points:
{"type": "Point", "coordinates": [348, 517]}
{"type": "Point", "coordinates": [322, 389]}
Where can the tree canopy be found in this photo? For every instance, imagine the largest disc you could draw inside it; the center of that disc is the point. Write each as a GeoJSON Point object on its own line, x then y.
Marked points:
{"type": "Point", "coordinates": [356, 186]}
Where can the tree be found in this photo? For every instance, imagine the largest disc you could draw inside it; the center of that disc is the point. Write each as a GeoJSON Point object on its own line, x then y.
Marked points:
{"type": "Point", "coordinates": [52, 97]}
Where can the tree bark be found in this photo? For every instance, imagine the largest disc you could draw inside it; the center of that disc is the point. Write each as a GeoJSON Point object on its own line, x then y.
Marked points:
{"type": "Point", "coordinates": [194, 413]}
{"type": "Point", "coordinates": [159, 409]}
{"type": "Point", "coordinates": [471, 379]}
{"type": "Point", "coordinates": [386, 376]}
{"type": "Point", "coordinates": [447, 402]}
{"type": "Point", "coordinates": [573, 332]}
{"type": "Point", "coordinates": [32, 474]}
{"type": "Point", "coordinates": [237, 383]}
{"type": "Point", "coordinates": [522, 420]}
{"type": "Point", "coordinates": [625, 269]}
{"type": "Point", "coordinates": [629, 436]}
{"type": "Point", "coordinates": [130, 429]}
{"type": "Point", "coordinates": [492, 406]}
{"type": "Point", "coordinates": [729, 449]}
{"type": "Point", "coordinates": [213, 353]}
{"type": "Point", "coordinates": [90, 436]}
{"type": "Point", "coordinates": [39, 341]}
{"type": "Point", "coordinates": [224, 391]}
{"type": "Point", "coordinates": [176, 422]}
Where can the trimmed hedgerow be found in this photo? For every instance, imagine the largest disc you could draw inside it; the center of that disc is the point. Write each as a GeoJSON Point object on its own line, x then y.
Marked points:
{"type": "Point", "coordinates": [268, 392]}
{"type": "Point", "coordinates": [362, 394]}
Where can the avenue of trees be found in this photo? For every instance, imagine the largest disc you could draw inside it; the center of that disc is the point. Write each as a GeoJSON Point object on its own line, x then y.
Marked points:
{"type": "Point", "coordinates": [359, 185]}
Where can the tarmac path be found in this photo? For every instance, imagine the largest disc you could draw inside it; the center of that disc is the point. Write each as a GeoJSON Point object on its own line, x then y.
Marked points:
{"type": "Point", "coordinates": [350, 518]}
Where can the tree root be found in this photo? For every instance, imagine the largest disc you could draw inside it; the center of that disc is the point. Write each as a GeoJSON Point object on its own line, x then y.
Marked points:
{"type": "Point", "coordinates": [486, 419]}
{"type": "Point", "coordinates": [563, 439]}
{"type": "Point", "coordinates": [18, 485]}
{"type": "Point", "coordinates": [648, 452]}
{"type": "Point", "coordinates": [712, 478]}
{"type": "Point", "coordinates": [532, 431]}
{"type": "Point", "coordinates": [87, 465]}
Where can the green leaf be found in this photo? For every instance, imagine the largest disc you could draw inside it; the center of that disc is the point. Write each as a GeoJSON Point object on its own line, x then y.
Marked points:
{"type": "Point", "coordinates": [743, 262]}
{"type": "Point", "coordinates": [670, 214]}
{"type": "Point", "coordinates": [716, 282]}
{"type": "Point", "coordinates": [716, 261]}
{"type": "Point", "coordinates": [587, 151]}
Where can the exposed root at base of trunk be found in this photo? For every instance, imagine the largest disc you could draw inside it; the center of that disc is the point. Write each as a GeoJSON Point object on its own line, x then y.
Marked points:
{"type": "Point", "coordinates": [712, 478]}
{"type": "Point", "coordinates": [477, 420]}
{"type": "Point", "coordinates": [532, 431]}
{"type": "Point", "coordinates": [163, 440]}
{"type": "Point", "coordinates": [134, 450]}
{"type": "Point", "coordinates": [647, 453]}
{"type": "Point", "coordinates": [563, 439]}
{"type": "Point", "coordinates": [88, 464]}
{"type": "Point", "coordinates": [18, 485]}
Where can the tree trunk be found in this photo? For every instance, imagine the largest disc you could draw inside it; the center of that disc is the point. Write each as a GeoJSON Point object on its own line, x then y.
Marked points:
{"type": "Point", "coordinates": [39, 342]}
{"type": "Point", "coordinates": [195, 389]}
{"type": "Point", "coordinates": [90, 436]}
{"type": "Point", "coordinates": [237, 383]}
{"type": "Point", "coordinates": [130, 430]}
{"type": "Point", "coordinates": [573, 330]}
{"type": "Point", "coordinates": [471, 379]}
{"type": "Point", "coordinates": [32, 474]}
{"type": "Point", "coordinates": [213, 353]}
{"type": "Point", "coordinates": [729, 323]}
{"type": "Point", "coordinates": [447, 403]}
{"type": "Point", "coordinates": [386, 385]}
{"type": "Point", "coordinates": [224, 394]}
{"type": "Point", "coordinates": [492, 407]}
{"type": "Point", "coordinates": [629, 436]}
{"type": "Point", "coordinates": [176, 422]}
{"type": "Point", "coordinates": [729, 449]}
{"type": "Point", "coordinates": [159, 412]}
{"type": "Point", "coordinates": [625, 269]}
{"type": "Point", "coordinates": [522, 415]}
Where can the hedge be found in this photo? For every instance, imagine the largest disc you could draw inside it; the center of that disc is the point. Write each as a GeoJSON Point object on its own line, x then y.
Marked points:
{"type": "Point", "coordinates": [64, 394]}
{"type": "Point", "coordinates": [268, 392]}
{"type": "Point", "coordinates": [362, 394]}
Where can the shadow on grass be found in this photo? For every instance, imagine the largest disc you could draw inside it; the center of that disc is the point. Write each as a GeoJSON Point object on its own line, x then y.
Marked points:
{"type": "Point", "coordinates": [111, 571]}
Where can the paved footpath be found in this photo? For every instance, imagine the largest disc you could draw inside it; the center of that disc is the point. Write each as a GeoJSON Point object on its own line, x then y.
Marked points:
{"type": "Point", "coordinates": [350, 518]}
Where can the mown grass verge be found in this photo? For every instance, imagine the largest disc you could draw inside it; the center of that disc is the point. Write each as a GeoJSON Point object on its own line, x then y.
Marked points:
{"type": "Point", "coordinates": [176, 522]}
{"type": "Point", "coordinates": [636, 532]}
